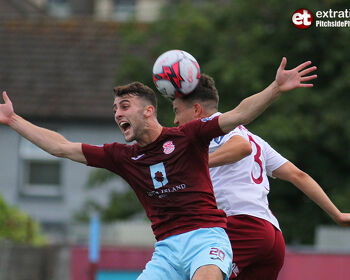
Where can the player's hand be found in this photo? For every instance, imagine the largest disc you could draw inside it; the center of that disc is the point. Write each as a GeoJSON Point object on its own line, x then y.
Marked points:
{"type": "Point", "coordinates": [294, 78]}
{"type": "Point", "coordinates": [343, 219]}
{"type": "Point", "coordinates": [6, 109]}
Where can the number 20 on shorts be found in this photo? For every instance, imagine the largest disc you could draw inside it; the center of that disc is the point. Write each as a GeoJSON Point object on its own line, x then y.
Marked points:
{"type": "Point", "coordinates": [217, 253]}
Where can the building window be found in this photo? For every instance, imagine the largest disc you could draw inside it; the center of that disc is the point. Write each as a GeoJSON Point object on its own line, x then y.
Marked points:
{"type": "Point", "coordinates": [124, 10]}
{"type": "Point", "coordinates": [40, 172]}
{"type": "Point", "coordinates": [59, 8]}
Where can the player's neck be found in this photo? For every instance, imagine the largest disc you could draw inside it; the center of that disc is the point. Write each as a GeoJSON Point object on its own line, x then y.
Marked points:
{"type": "Point", "coordinates": [151, 132]}
{"type": "Point", "coordinates": [208, 113]}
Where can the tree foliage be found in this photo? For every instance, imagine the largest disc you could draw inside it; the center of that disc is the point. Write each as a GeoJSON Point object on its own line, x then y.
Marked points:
{"type": "Point", "coordinates": [240, 43]}
{"type": "Point", "coordinates": [18, 227]}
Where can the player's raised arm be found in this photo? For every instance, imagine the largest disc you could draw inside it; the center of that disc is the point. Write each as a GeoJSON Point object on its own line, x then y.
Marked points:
{"type": "Point", "coordinates": [254, 105]}
{"type": "Point", "coordinates": [48, 140]}
{"type": "Point", "coordinates": [304, 182]}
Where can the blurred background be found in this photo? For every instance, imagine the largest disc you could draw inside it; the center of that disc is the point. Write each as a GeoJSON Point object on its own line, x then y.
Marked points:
{"type": "Point", "coordinates": [59, 61]}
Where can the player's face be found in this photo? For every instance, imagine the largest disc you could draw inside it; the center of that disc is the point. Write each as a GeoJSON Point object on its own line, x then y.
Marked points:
{"type": "Point", "coordinates": [183, 112]}
{"type": "Point", "coordinates": [128, 114]}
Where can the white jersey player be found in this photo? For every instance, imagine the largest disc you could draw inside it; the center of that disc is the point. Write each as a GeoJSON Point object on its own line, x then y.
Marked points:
{"type": "Point", "coordinates": [242, 187]}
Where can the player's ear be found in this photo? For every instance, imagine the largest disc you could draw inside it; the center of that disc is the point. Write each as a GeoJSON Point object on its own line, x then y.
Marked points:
{"type": "Point", "coordinates": [149, 110]}
{"type": "Point", "coordinates": [198, 110]}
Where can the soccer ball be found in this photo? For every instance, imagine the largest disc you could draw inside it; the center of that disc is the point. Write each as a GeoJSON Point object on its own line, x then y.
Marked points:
{"type": "Point", "coordinates": [176, 73]}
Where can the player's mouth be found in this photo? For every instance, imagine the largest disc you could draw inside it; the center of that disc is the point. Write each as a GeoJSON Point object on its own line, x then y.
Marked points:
{"type": "Point", "coordinates": [124, 126]}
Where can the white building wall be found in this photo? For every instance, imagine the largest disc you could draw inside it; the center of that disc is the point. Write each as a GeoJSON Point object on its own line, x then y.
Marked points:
{"type": "Point", "coordinates": [9, 143]}
{"type": "Point", "coordinates": [148, 10]}
{"type": "Point", "coordinates": [332, 239]}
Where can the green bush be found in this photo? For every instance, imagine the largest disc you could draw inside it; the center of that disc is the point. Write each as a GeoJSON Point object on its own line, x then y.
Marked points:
{"type": "Point", "coordinates": [16, 226]}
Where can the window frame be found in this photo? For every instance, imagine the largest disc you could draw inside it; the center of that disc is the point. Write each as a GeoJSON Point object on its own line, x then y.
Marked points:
{"type": "Point", "coordinates": [28, 153]}
{"type": "Point", "coordinates": [59, 9]}
{"type": "Point", "coordinates": [124, 10]}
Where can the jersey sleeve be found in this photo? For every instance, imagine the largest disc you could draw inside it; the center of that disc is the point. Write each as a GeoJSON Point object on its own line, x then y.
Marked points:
{"type": "Point", "coordinates": [203, 130]}
{"type": "Point", "coordinates": [273, 159]}
{"type": "Point", "coordinates": [235, 132]}
{"type": "Point", "coordinates": [101, 156]}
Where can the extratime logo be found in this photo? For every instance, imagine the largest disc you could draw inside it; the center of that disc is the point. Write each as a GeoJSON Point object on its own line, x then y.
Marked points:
{"type": "Point", "coordinates": [302, 18]}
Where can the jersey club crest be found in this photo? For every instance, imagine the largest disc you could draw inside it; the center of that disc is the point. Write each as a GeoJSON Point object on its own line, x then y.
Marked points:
{"type": "Point", "coordinates": [168, 147]}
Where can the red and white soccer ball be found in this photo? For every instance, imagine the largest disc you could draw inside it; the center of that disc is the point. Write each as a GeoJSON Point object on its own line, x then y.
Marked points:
{"type": "Point", "coordinates": [176, 73]}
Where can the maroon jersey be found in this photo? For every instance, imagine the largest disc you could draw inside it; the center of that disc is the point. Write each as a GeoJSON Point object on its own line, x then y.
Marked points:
{"type": "Point", "coordinates": [170, 176]}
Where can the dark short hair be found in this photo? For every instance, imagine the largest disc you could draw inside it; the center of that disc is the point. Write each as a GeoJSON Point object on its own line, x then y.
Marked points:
{"type": "Point", "coordinates": [204, 91]}
{"type": "Point", "coordinates": [137, 89]}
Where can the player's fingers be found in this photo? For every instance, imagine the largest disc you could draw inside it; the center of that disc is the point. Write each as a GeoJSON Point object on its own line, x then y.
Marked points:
{"type": "Point", "coordinates": [303, 65]}
{"type": "Point", "coordinates": [308, 78]}
{"type": "Point", "coordinates": [283, 63]}
{"type": "Point", "coordinates": [5, 97]}
{"type": "Point", "coordinates": [306, 85]}
{"type": "Point", "coordinates": [308, 70]}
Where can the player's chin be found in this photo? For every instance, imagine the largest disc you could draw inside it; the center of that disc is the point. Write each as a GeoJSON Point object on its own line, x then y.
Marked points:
{"type": "Point", "coordinates": [129, 137]}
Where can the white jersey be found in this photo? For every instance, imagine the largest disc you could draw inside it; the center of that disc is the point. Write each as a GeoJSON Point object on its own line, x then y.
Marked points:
{"type": "Point", "coordinates": [242, 187]}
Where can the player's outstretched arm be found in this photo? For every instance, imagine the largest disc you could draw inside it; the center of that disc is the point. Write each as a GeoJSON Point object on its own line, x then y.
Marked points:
{"type": "Point", "coordinates": [304, 182]}
{"type": "Point", "coordinates": [48, 140]}
{"type": "Point", "coordinates": [254, 105]}
{"type": "Point", "coordinates": [232, 151]}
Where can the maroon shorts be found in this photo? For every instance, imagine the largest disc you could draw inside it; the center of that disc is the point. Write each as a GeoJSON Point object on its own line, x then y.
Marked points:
{"type": "Point", "coordinates": [258, 248]}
